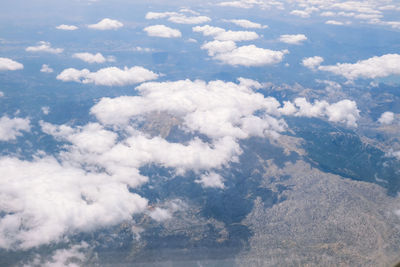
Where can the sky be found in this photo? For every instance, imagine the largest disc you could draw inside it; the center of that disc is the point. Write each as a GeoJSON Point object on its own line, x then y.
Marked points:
{"type": "Point", "coordinates": [78, 79]}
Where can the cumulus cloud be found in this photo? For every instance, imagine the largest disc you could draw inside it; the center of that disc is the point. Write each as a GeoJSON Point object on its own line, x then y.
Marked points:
{"type": "Point", "coordinates": [251, 55]}
{"type": "Point", "coordinates": [213, 180]}
{"type": "Point", "coordinates": [44, 199]}
{"type": "Point", "coordinates": [292, 38]}
{"type": "Point", "coordinates": [93, 58]}
{"type": "Point", "coordinates": [180, 18]}
{"type": "Point", "coordinates": [9, 64]}
{"type": "Point", "coordinates": [374, 67]}
{"type": "Point", "coordinates": [67, 27]}
{"type": "Point", "coordinates": [160, 214]}
{"type": "Point", "coordinates": [216, 47]}
{"type": "Point", "coordinates": [300, 13]}
{"type": "Point", "coordinates": [106, 24]}
{"type": "Point", "coordinates": [223, 35]}
{"type": "Point", "coordinates": [44, 47]}
{"type": "Point", "coordinates": [111, 76]}
{"type": "Point", "coordinates": [244, 23]}
{"type": "Point", "coordinates": [162, 31]}
{"type": "Point", "coordinates": [252, 3]}
{"type": "Point", "coordinates": [45, 110]}
{"type": "Point", "coordinates": [312, 62]}
{"type": "Point", "coordinates": [386, 118]}
{"type": "Point", "coordinates": [46, 69]}
{"type": "Point", "coordinates": [10, 129]}
{"type": "Point", "coordinates": [344, 111]}
{"type": "Point", "coordinates": [334, 22]}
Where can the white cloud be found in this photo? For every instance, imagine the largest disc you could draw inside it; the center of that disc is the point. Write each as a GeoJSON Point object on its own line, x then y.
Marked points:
{"type": "Point", "coordinates": [159, 15]}
{"type": "Point", "coordinates": [334, 22]}
{"type": "Point", "coordinates": [45, 110]}
{"type": "Point", "coordinates": [162, 31]}
{"type": "Point", "coordinates": [208, 30]}
{"type": "Point", "coordinates": [44, 200]}
{"type": "Point", "coordinates": [292, 38]}
{"type": "Point", "coordinates": [10, 129]}
{"type": "Point", "coordinates": [67, 27]}
{"type": "Point", "coordinates": [236, 36]}
{"type": "Point", "coordinates": [106, 24]}
{"type": "Point", "coordinates": [252, 3]}
{"type": "Point", "coordinates": [300, 13]}
{"type": "Point", "coordinates": [213, 180]}
{"type": "Point", "coordinates": [160, 214]}
{"type": "Point", "coordinates": [9, 64]}
{"type": "Point", "coordinates": [216, 47]}
{"type": "Point", "coordinates": [247, 24]}
{"type": "Point", "coordinates": [375, 67]}
{"type": "Point", "coordinates": [44, 47]}
{"type": "Point", "coordinates": [1, 94]}
{"type": "Point", "coordinates": [386, 118]}
{"type": "Point", "coordinates": [223, 35]}
{"type": "Point", "coordinates": [312, 62]}
{"type": "Point", "coordinates": [46, 69]}
{"type": "Point", "coordinates": [182, 19]}
{"type": "Point", "coordinates": [251, 55]}
{"type": "Point", "coordinates": [111, 76]}
{"type": "Point", "coordinates": [143, 49]}
{"type": "Point", "coordinates": [93, 58]}
{"type": "Point", "coordinates": [344, 111]}
{"type": "Point", "coordinates": [178, 17]}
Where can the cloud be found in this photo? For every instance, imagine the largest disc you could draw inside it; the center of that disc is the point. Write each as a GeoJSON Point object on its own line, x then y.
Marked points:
{"type": "Point", "coordinates": [312, 62]}
{"type": "Point", "coordinates": [251, 55]}
{"type": "Point", "coordinates": [10, 129]}
{"type": "Point", "coordinates": [216, 47]}
{"type": "Point", "coordinates": [111, 76]}
{"type": "Point", "coordinates": [386, 118]}
{"type": "Point", "coordinates": [300, 13]}
{"type": "Point", "coordinates": [334, 22]}
{"type": "Point", "coordinates": [223, 35]}
{"type": "Point", "coordinates": [67, 27]}
{"type": "Point", "coordinates": [93, 58]}
{"type": "Point", "coordinates": [46, 69]}
{"type": "Point", "coordinates": [247, 24]}
{"type": "Point", "coordinates": [162, 31]}
{"type": "Point", "coordinates": [182, 19]}
{"type": "Point", "coordinates": [176, 17]}
{"type": "Point", "coordinates": [252, 3]}
{"type": "Point", "coordinates": [9, 64]}
{"type": "Point", "coordinates": [292, 38]}
{"type": "Point", "coordinates": [45, 110]}
{"type": "Point", "coordinates": [106, 24]}
{"type": "Point", "coordinates": [44, 47]}
{"type": "Point", "coordinates": [212, 180]}
{"type": "Point", "coordinates": [43, 200]}
{"type": "Point", "coordinates": [344, 111]}
{"type": "Point", "coordinates": [375, 67]}
{"type": "Point", "coordinates": [160, 214]}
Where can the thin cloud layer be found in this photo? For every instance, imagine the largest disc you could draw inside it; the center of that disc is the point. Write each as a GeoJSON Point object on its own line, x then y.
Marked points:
{"type": "Point", "coordinates": [9, 64]}
{"type": "Point", "coordinates": [111, 76]}
{"type": "Point", "coordinates": [106, 24]}
{"type": "Point", "coordinates": [44, 47]}
{"type": "Point", "coordinates": [162, 31]}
